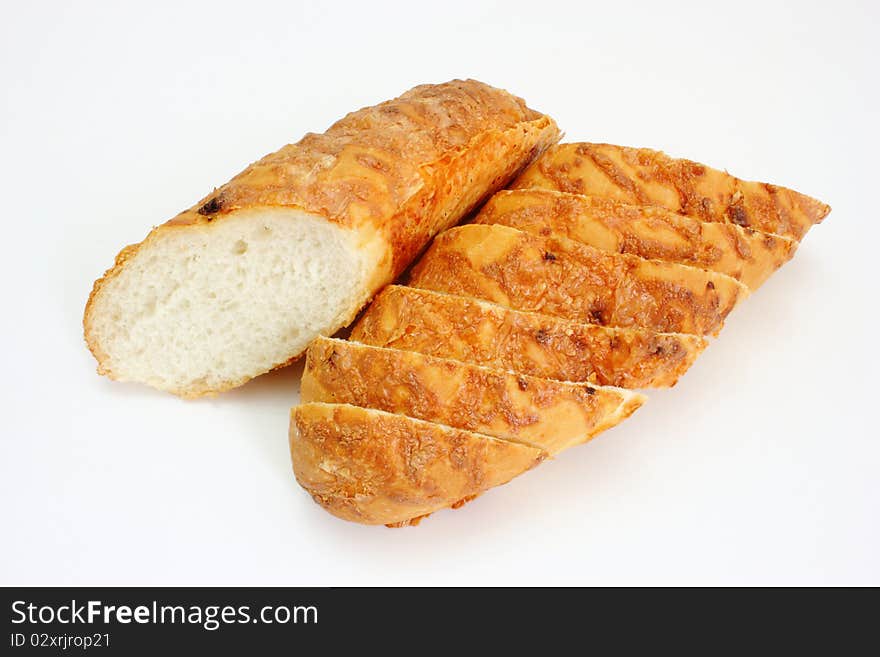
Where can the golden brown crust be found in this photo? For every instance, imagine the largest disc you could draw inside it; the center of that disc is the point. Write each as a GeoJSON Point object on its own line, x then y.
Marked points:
{"type": "Point", "coordinates": [645, 177]}
{"type": "Point", "coordinates": [449, 326]}
{"type": "Point", "coordinates": [557, 276]}
{"type": "Point", "coordinates": [652, 232]}
{"type": "Point", "coordinates": [552, 415]}
{"type": "Point", "coordinates": [395, 173]}
{"type": "Point", "coordinates": [379, 468]}
{"type": "Point", "coordinates": [405, 168]}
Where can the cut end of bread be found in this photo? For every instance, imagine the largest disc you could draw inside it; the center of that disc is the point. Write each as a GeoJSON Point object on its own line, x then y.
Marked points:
{"type": "Point", "coordinates": [202, 309]}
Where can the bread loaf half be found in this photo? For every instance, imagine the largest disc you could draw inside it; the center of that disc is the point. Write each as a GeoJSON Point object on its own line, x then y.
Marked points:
{"type": "Point", "coordinates": [749, 256]}
{"type": "Point", "coordinates": [644, 177]}
{"type": "Point", "coordinates": [297, 243]}
{"type": "Point", "coordinates": [557, 276]}
{"type": "Point", "coordinates": [552, 415]}
{"type": "Point", "coordinates": [467, 329]}
{"type": "Point", "coordinates": [374, 467]}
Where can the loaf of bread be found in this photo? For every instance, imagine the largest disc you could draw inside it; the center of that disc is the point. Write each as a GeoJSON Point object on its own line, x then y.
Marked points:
{"type": "Point", "coordinates": [296, 244]}
{"type": "Point", "coordinates": [557, 276]}
{"type": "Point", "coordinates": [640, 176]}
{"type": "Point", "coordinates": [647, 231]}
{"type": "Point", "coordinates": [374, 467]}
{"type": "Point", "coordinates": [483, 333]}
{"type": "Point", "coordinates": [552, 415]}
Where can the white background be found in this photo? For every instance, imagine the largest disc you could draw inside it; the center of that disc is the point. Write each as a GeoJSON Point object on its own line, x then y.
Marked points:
{"type": "Point", "coordinates": [760, 467]}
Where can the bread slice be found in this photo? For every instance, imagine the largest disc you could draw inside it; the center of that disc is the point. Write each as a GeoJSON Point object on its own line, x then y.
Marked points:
{"type": "Point", "coordinates": [652, 232]}
{"type": "Point", "coordinates": [558, 276]}
{"type": "Point", "coordinates": [645, 177]}
{"type": "Point", "coordinates": [467, 329]}
{"type": "Point", "coordinates": [297, 243]}
{"type": "Point", "coordinates": [373, 467]}
{"type": "Point", "coordinates": [552, 415]}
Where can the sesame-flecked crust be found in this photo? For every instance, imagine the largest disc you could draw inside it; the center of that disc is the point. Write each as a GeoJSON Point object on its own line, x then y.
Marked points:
{"type": "Point", "coordinates": [557, 276]}
{"type": "Point", "coordinates": [552, 415]}
{"type": "Point", "coordinates": [466, 329]}
{"type": "Point", "coordinates": [748, 255]}
{"type": "Point", "coordinates": [379, 468]}
{"type": "Point", "coordinates": [646, 177]}
{"type": "Point", "coordinates": [395, 174]}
